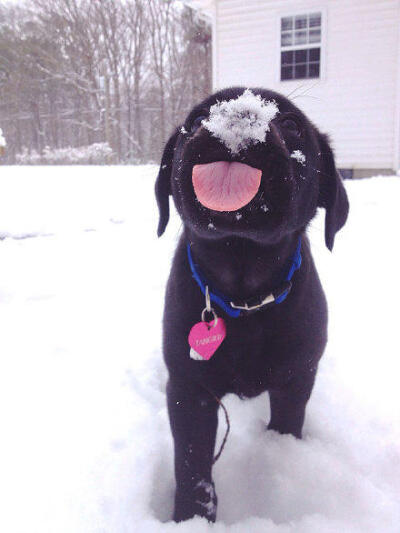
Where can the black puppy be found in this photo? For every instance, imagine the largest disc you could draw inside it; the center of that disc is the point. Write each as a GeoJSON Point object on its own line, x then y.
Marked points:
{"type": "Point", "coordinates": [243, 243]}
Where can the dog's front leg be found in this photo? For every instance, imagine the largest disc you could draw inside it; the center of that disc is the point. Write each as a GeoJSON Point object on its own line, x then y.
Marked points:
{"type": "Point", "coordinates": [193, 414]}
{"type": "Point", "coordinates": [288, 407]}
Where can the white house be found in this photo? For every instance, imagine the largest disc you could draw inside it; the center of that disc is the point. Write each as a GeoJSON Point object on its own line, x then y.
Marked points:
{"type": "Point", "coordinates": [338, 59]}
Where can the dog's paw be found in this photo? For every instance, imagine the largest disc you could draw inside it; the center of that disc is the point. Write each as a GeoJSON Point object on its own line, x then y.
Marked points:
{"type": "Point", "coordinates": [201, 501]}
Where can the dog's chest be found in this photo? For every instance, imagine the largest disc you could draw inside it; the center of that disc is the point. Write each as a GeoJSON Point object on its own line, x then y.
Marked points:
{"type": "Point", "coordinates": [255, 356]}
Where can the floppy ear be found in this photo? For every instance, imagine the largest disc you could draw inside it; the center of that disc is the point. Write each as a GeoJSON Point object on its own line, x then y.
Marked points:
{"type": "Point", "coordinates": [163, 183]}
{"type": "Point", "coordinates": [332, 194]}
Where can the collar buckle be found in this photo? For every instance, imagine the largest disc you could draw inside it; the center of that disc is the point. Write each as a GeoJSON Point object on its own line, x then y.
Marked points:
{"type": "Point", "coordinates": [246, 307]}
{"type": "Point", "coordinates": [253, 305]}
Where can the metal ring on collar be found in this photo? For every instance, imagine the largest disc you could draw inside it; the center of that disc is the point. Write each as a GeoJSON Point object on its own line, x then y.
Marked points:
{"type": "Point", "coordinates": [208, 302]}
{"type": "Point", "coordinates": [211, 310]}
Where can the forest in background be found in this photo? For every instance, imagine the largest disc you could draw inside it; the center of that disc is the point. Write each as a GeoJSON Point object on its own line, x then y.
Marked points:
{"type": "Point", "coordinates": [98, 82]}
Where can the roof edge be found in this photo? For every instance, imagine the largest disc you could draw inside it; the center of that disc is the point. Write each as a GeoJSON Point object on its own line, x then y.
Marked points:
{"type": "Point", "coordinates": [205, 6]}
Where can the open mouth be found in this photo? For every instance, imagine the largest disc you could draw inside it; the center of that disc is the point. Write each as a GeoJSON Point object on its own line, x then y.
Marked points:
{"type": "Point", "coordinates": [224, 185]}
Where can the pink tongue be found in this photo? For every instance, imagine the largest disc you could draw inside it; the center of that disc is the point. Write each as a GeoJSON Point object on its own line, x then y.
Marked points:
{"type": "Point", "coordinates": [224, 186]}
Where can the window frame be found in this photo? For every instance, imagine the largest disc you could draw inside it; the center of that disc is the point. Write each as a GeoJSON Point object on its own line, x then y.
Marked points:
{"type": "Point", "coordinates": [306, 10]}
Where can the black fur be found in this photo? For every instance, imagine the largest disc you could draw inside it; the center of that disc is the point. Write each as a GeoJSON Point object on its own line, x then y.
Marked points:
{"type": "Point", "coordinates": [275, 349]}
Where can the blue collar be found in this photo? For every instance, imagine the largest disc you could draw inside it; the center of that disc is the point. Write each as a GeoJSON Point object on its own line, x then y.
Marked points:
{"type": "Point", "coordinates": [236, 310]}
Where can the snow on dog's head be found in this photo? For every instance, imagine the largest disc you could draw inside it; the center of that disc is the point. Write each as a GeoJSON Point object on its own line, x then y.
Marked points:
{"type": "Point", "coordinates": [241, 121]}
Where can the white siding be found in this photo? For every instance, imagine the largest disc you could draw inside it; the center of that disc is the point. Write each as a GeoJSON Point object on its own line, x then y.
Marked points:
{"type": "Point", "coordinates": [356, 99]}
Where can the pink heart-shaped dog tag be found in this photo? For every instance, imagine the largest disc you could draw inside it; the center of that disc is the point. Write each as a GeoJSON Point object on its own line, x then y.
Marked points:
{"type": "Point", "coordinates": [205, 338]}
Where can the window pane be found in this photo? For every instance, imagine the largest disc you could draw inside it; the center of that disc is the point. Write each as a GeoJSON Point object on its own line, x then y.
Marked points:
{"type": "Point", "coordinates": [287, 23]}
{"type": "Point", "coordinates": [286, 73]}
{"type": "Point", "coordinates": [314, 20]}
{"type": "Point", "coordinates": [300, 37]}
{"type": "Point", "coordinates": [287, 39]}
{"type": "Point", "coordinates": [313, 70]}
{"type": "Point", "coordinates": [300, 71]}
{"type": "Point", "coordinates": [300, 56]}
{"type": "Point", "coordinates": [314, 54]}
{"type": "Point", "coordinates": [300, 22]}
{"type": "Point", "coordinates": [314, 36]}
{"type": "Point", "coordinates": [300, 64]}
{"type": "Point", "coordinates": [287, 58]}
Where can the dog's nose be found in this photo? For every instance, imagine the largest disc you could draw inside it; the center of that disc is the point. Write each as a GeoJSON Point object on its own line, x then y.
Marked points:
{"type": "Point", "coordinates": [241, 122]}
{"type": "Point", "coordinates": [277, 139]}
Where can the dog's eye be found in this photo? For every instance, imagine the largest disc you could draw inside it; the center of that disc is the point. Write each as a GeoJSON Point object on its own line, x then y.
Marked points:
{"type": "Point", "coordinates": [291, 125]}
{"type": "Point", "coordinates": [197, 123]}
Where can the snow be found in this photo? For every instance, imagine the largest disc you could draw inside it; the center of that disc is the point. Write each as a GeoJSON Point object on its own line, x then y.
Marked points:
{"type": "Point", "coordinates": [86, 445]}
{"type": "Point", "coordinates": [298, 156]}
{"type": "Point", "coordinates": [209, 493]}
{"type": "Point", "coordinates": [96, 153]}
{"type": "Point", "coordinates": [241, 121]}
{"type": "Point", "coordinates": [3, 143]}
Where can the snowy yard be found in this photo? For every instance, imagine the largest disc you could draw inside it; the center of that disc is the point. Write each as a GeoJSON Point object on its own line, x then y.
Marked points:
{"type": "Point", "coordinates": [85, 444]}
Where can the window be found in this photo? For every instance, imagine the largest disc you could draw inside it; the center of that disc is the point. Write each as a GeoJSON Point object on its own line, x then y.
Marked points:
{"type": "Point", "coordinates": [300, 46]}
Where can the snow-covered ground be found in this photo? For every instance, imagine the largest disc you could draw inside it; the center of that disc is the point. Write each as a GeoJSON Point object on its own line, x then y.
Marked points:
{"type": "Point", "coordinates": [85, 445]}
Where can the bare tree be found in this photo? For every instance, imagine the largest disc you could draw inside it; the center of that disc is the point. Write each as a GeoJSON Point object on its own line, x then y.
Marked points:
{"type": "Point", "coordinates": [134, 69]}
{"type": "Point", "coordinates": [78, 72]}
{"type": "Point", "coordinates": [160, 20]}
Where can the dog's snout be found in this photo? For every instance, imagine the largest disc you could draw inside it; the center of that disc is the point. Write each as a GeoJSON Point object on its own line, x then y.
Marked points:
{"type": "Point", "coordinates": [205, 147]}
{"type": "Point", "coordinates": [277, 139]}
{"type": "Point", "coordinates": [241, 122]}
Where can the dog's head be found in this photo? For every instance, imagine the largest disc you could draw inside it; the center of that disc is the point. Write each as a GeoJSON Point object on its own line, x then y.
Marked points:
{"type": "Point", "coordinates": [250, 163]}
